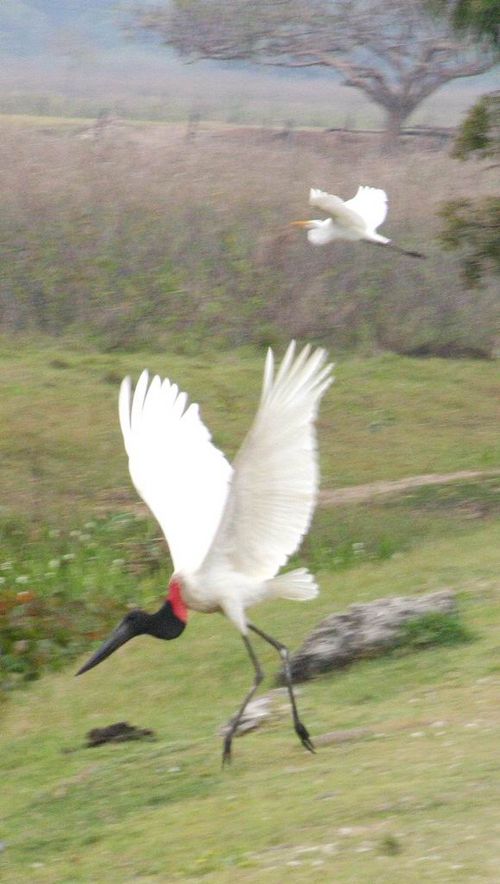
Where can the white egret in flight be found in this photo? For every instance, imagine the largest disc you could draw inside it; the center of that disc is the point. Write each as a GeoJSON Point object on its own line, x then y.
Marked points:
{"type": "Point", "coordinates": [354, 219]}
{"type": "Point", "coordinates": [229, 529]}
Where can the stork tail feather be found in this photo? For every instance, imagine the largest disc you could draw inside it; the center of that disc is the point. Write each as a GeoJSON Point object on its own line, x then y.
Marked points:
{"type": "Point", "coordinates": [297, 585]}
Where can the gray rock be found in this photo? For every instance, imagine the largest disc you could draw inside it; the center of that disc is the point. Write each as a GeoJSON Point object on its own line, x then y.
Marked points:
{"type": "Point", "coordinates": [255, 714]}
{"type": "Point", "coordinates": [364, 630]}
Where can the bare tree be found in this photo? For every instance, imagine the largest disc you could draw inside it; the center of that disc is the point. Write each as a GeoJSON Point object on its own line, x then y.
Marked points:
{"type": "Point", "coordinates": [395, 51]}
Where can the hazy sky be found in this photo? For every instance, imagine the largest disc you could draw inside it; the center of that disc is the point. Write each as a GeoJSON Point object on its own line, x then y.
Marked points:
{"type": "Point", "coordinates": [76, 48]}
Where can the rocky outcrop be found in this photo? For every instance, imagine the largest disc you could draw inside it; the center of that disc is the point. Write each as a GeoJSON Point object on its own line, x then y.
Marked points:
{"type": "Point", "coordinates": [364, 630]}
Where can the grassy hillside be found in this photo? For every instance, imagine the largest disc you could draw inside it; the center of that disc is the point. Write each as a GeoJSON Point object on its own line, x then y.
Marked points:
{"type": "Point", "coordinates": [385, 418]}
{"type": "Point", "coordinates": [418, 800]}
{"type": "Point", "coordinates": [138, 236]}
{"type": "Point", "coordinates": [76, 542]}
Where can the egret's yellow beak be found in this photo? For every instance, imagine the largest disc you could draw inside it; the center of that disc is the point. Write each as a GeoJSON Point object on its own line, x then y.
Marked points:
{"type": "Point", "coordinates": [299, 223]}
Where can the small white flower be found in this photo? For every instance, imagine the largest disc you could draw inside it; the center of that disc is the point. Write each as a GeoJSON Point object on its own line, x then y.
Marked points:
{"type": "Point", "coordinates": [89, 525]}
{"type": "Point", "coordinates": [68, 557]}
{"type": "Point", "coordinates": [54, 564]}
{"type": "Point", "coordinates": [84, 537]}
{"type": "Point", "coordinates": [23, 578]}
{"type": "Point", "coordinates": [6, 566]}
{"type": "Point", "coordinates": [2, 580]}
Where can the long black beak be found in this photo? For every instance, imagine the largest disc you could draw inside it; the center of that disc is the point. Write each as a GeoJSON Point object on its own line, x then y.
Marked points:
{"type": "Point", "coordinates": [122, 634]}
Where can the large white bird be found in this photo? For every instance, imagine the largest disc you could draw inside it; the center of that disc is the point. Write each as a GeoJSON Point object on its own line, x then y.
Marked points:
{"type": "Point", "coordinates": [354, 219]}
{"type": "Point", "coordinates": [229, 530]}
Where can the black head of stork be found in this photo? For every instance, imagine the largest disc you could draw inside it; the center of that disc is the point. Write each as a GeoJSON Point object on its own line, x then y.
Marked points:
{"type": "Point", "coordinates": [164, 623]}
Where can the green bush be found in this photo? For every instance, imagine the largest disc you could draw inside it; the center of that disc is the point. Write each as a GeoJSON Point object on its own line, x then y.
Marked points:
{"type": "Point", "coordinates": [60, 590]}
{"type": "Point", "coordinates": [433, 629]}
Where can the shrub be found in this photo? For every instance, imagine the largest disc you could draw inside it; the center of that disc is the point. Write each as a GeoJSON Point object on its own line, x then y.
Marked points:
{"type": "Point", "coordinates": [433, 629]}
{"type": "Point", "coordinates": [142, 238]}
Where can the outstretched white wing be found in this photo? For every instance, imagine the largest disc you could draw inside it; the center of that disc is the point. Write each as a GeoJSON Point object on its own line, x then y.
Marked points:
{"type": "Point", "coordinates": [371, 204]}
{"type": "Point", "coordinates": [273, 490]}
{"type": "Point", "coordinates": [178, 472]}
{"type": "Point", "coordinates": [342, 213]}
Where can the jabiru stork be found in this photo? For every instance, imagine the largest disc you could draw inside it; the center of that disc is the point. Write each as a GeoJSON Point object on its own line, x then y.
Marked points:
{"type": "Point", "coordinates": [229, 529]}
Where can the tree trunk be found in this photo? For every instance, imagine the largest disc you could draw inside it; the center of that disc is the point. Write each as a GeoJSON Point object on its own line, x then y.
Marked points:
{"type": "Point", "coordinates": [394, 120]}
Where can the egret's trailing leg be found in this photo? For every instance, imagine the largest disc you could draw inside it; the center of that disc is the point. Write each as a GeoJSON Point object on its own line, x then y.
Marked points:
{"type": "Point", "coordinates": [408, 252]}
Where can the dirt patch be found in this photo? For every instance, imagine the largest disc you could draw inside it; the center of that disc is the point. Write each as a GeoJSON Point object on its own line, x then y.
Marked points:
{"type": "Point", "coordinates": [125, 499]}
{"type": "Point", "coordinates": [360, 493]}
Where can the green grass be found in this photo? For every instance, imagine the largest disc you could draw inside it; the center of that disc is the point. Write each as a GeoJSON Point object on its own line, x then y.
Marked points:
{"type": "Point", "coordinates": [433, 629]}
{"type": "Point", "coordinates": [384, 418]}
{"type": "Point", "coordinates": [164, 811]}
{"type": "Point", "coordinates": [20, 119]}
{"type": "Point", "coordinates": [350, 534]}
{"type": "Point", "coordinates": [63, 587]}
{"type": "Point", "coordinates": [416, 799]}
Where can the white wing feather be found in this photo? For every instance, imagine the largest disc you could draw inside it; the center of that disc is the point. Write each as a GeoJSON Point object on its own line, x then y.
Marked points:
{"type": "Point", "coordinates": [181, 476]}
{"type": "Point", "coordinates": [274, 486]}
{"type": "Point", "coordinates": [343, 214]}
{"type": "Point", "coordinates": [371, 204]}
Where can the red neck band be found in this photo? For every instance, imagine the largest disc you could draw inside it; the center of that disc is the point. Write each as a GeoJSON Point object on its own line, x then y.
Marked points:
{"type": "Point", "coordinates": [176, 600]}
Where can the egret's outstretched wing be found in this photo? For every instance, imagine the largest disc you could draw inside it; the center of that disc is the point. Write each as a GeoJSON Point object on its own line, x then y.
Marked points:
{"type": "Point", "coordinates": [343, 214]}
{"type": "Point", "coordinates": [274, 485]}
{"type": "Point", "coordinates": [176, 469]}
{"type": "Point", "coordinates": [371, 204]}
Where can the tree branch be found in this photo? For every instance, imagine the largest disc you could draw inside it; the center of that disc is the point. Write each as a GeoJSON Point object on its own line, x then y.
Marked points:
{"type": "Point", "coordinates": [392, 50]}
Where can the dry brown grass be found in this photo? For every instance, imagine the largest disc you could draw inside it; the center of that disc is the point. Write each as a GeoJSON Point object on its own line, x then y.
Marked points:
{"type": "Point", "coordinates": [145, 236]}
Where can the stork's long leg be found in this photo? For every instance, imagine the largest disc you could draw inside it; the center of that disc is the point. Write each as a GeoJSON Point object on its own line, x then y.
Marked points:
{"type": "Point", "coordinates": [300, 728]}
{"type": "Point", "coordinates": [233, 724]}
